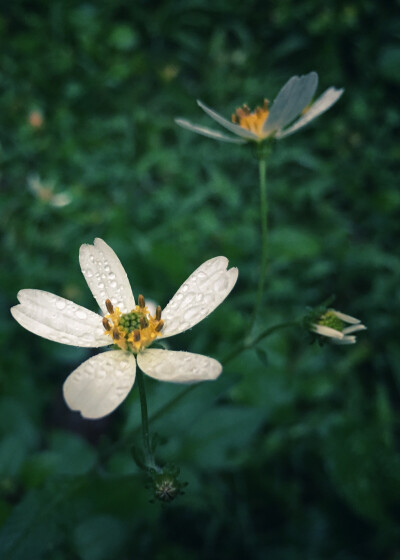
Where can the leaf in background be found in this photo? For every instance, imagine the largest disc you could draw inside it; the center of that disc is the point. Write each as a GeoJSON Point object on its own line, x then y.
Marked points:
{"type": "Point", "coordinates": [31, 530]}
{"type": "Point", "coordinates": [100, 537]}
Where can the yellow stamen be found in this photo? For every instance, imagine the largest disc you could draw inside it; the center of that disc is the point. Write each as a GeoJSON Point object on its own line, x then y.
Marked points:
{"type": "Point", "coordinates": [135, 330]}
{"type": "Point", "coordinates": [116, 334]}
{"type": "Point", "coordinates": [136, 335]}
{"type": "Point", "coordinates": [253, 121]}
{"type": "Point", "coordinates": [109, 306]}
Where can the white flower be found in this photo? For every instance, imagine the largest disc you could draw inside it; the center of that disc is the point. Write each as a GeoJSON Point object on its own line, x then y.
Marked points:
{"type": "Point", "coordinates": [294, 99]}
{"type": "Point", "coordinates": [101, 383]}
{"type": "Point", "coordinates": [332, 324]}
{"type": "Point", "coordinates": [45, 192]}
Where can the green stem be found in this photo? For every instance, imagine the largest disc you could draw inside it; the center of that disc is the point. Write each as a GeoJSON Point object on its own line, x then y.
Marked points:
{"type": "Point", "coordinates": [246, 345]}
{"type": "Point", "coordinates": [171, 404]}
{"type": "Point", "coordinates": [238, 350]}
{"type": "Point", "coordinates": [149, 459]}
{"type": "Point", "coordinates": [262, 169]}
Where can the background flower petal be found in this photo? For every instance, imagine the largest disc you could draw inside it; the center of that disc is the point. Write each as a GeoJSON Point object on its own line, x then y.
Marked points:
{"type": "Point", "coordinates": [296, 94]}
{"type": "Point", "coordinates": [59, 319]}
{"type": "Point", "coordinates": [322, 104]}
{"type": "Point", "coordinates": [106, 277]}
{"type": "Point", "coordinates": [353, 329]}
{"type": "Point", "coordinates": [345, 318]}
{"type": "Point", "coordinates": [327, 331]}
{"type": "Point", "coordinates": [208, 132]}
{"type": "Point", "coordinates": [178, 367]}
{"type": "Point", "coordinates": [345, 340]}
{"type": "Point", "coordinates": [100, 384]}
{"type": "Point", "coordinates": [235, 128]}
{"type": "Point", "coordinates": [202, 292]}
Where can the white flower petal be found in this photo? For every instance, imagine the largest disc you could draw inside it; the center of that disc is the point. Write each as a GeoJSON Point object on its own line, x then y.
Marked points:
{"type": "Point", "coordinates": [202, 292]}
{"type": "Point", "coordinates": [353, 329]}
{"type": "Point", "coordinates": [290, 101]}
{"type": "Point", "coordinates": [106, 276]}
{"type": "Point", "coordinates": [208, 132]}
{"type": "Point", "coordinates": [100, 384]}
{"type": "Point", "coordinates": [235, 128]}
{"type": "Point", "coordinates": [327, 331]}
{"type": "Point", "coordinates": [59, 319]}
{"type": "Point", "coordinates": [60, 200]}
{"type": "Point", "coordinates": [178, 367]}
{"type": "Point", "coordinates": [322, 104]}
{"type": "Point", "coordinates": [151, 306]}
{"type": "Point", "coordinates": [345, 340]}
{"type": "Point", "coordinates": [345, 318]}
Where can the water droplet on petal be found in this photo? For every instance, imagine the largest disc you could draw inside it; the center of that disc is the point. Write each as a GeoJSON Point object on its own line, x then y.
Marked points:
{"type": "Point", "coordinates": [191, 313]}
{"type": "Point", "coordinates": [221, 284]}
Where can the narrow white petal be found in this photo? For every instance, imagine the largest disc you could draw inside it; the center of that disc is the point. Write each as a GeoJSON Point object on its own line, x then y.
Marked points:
{"type": "Point", "coordinates": [202, 292]}
{"type": "Point", "coordinates": [100, 384]}
{"type": "Point", "coordinates": [208, 132]}
{"type": "Point", "coordinates": [60, 200]}
{"type": "Point", "coordinates": [235, 128]}
{"type": "Point", "coordinates": [59, 319]}
{"type": "Point", "coordinates": [327, 331]}
{"type": "Point", "coordinates": [178, 367]}
{"type": "Point", "coordinates": [354, 328]}
{"type": "Point", "coordinates": [322, 104]}
{"type": "Point", "coordinates": [345, 318]}
{"type": "Point", "coordinates": [106, 276]}
{"type": "Point", "coordinates": [151, 306]}
{"type": "Point", "coordinates": [296, 94]}
{"type": "Point", "coordinates": [345, 340]}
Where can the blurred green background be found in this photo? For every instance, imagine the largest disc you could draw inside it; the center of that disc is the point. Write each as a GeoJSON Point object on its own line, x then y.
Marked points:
{"type": "Point", "coordinates": [299, 459]}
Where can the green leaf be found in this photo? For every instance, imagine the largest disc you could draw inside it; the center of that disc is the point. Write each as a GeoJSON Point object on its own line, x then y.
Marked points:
{"type": "Point", "coordinates": [100, 537]}
{"type": "Point", "coordinates": [31, 530]}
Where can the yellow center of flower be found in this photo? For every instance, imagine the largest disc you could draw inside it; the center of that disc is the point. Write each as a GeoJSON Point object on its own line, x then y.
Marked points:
{"type": "Point", "coordinates": [252, 120]}
{"type": "Point", "coordinates": [135, 330]}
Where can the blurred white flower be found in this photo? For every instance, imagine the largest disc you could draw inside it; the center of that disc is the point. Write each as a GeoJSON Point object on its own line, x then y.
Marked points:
{"type": "Point", "coordinates": [333, 323]}
{"type": "Point", "coordinates": [45, 192]}
{"type": "Point", "coordinates": [101, 383]}
{"type": "Point", "coordinates": [294, 99]}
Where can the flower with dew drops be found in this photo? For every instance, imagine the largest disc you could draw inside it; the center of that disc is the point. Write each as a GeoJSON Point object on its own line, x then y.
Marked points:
{"type": "Point", "coordinates": [293, 100]}
{"type": "Point", "coordinates": [333, 323]}
{"type": "Point", "coordinates": [101, 383]}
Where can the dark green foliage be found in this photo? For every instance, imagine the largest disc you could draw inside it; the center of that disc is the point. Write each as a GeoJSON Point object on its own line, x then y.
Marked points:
{"type": "Point", "coordinates": [294, 452]}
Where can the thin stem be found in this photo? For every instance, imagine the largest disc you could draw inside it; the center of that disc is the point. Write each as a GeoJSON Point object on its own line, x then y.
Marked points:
{"type": "Point", "coordinates": [262, 169]}
{"type": "Point", "coordinates": [238, 350]}
{"type": "Point", "coordinates": [145, 420]}
{"type": "Point", "coordinates": [171, 404]}
{"type": "Point", "coordinates": [246, 345]}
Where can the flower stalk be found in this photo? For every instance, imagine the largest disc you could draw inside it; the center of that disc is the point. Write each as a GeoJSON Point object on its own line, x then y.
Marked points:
{"type": "Point", "coordinates": [262, 167]}
{"type": "Point", "coordinates": [148, 452]}
{"type": "Point", "coordinates": [245, 345]}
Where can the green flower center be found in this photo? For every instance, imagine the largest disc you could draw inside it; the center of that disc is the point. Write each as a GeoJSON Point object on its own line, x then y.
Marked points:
{"type": "Point", "coordinates": [329, 319]}
{"type": "Point", "coordinates": [129, 322]}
